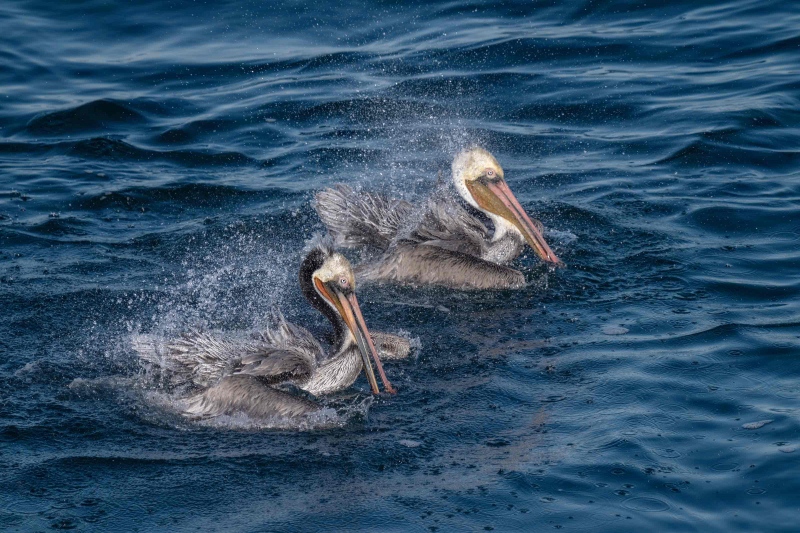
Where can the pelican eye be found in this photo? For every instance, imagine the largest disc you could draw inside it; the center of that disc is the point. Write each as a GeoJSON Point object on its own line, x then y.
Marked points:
{"type": "Point", "coordinates": [343, 282]}
{"type": "Point", "coordinates": [489, 173]}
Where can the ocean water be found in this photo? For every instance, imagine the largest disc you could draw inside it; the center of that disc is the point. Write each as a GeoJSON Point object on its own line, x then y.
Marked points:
{"type": "Point", "coordinates": [157, 160]}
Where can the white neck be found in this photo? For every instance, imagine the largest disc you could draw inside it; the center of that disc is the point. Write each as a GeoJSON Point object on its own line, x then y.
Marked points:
{"type": "Point", "coordinates": [461, 187]}
{"type": "Point", "coordinates": [506, 244]}
{"type": "Point", "coordinates": [337, 373]}
{"type": "Point", "coordinates": [501, 227]}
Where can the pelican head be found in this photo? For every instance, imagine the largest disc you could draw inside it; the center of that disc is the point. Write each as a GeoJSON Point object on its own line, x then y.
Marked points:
{"type": "Point", "coordinates": [333, 281]}
{"type": "Point", "coordinates": [480, 180]}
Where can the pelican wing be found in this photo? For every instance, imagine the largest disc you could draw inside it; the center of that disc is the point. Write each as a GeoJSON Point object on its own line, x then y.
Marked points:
{"type": "Point", "coordinates": [446, 224]}
{"type": "Point", "coordinates": [206, 356]}
{"type": "Point", "coordinates": [277, 364]}
{"type": "Point", "coordinates": [287, 336]}
{"type": "Point", "coordinates": [195, 356]}
{"type": "Point", "coordinates": [203, 359]}
{"type": "Point", "coordinates": [357, 219]}
{"type": "Point", "coordinates": [282, 352]}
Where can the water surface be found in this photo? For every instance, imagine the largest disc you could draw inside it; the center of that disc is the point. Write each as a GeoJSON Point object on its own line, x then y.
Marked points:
{"type": "Point", "coordinates": [156, 166]}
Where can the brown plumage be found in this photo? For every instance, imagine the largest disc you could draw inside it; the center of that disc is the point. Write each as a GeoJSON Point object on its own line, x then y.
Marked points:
{"type": "Point", "coordinates": [443, 243]}
{"type": "Point", "coordinates": [242, 376]}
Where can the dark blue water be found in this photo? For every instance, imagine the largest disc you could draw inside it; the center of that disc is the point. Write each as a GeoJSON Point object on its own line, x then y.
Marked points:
{"type": "Point", "coordinates": [156, 165]}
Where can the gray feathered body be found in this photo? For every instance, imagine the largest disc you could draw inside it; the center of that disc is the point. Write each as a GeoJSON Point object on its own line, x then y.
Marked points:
{"type": "Point", "coordinates": [441, 243]}
{"type": "Point", "coordinates": [241, 376]}
{"type": "Point", "coordinates": [246, 394]}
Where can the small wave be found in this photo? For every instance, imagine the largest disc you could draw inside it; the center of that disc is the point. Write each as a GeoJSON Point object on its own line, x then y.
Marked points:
{"type": "Point", "coordinates": [188, 194]}
{"type": "Point", "coordinates": [197, 131]}
{"type": "Point", "coordinates": [702, 153]}
{"type": "Point", "coordinates": [103, 148]}
{"type": "Point", "coordinates": [775, 46]}
{"type": "Point", "coordinates": [742, 219]}
{"type": "Point", "coordinates": [110, 150]}
{"type": "Point", "coordinates": [62, 227]}
{"type": "Point", "coordinates": [97, 116]}
{"type": "Point", "coordinates": [758, 118]}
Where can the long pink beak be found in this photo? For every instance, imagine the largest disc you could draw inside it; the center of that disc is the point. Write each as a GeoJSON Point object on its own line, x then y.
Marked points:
{"type": "Point", "coordinates": [362, 326]}
{"type": "Point", "coordinates": [348, 308]}
{"type": "Point", "coordinates": [523, 222]}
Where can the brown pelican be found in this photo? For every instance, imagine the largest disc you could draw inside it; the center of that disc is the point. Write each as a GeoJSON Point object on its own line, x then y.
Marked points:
{"type": "Point", "coordinates": [244, 376]}
{"type": "Point", "coordinates": [442, 244]}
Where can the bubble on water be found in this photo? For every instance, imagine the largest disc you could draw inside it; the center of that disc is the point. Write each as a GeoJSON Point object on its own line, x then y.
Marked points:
{"type": "Point", "coordinates": [553, 398]}
{"type": "Point", "coordinates": [788, 449]}
{"type": "Point", "coordinates": [26, 506]}
{"type": "Point", "coordinates": [668, 453]}
{"type": "Point", "coordinates": [409, 443]}
{"type": "Point", "coordinates": [756, 425]}
{"type": "Point", "coordinates": [644, 504]}
{"type": "Point", "coordinates": [615, 330]}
